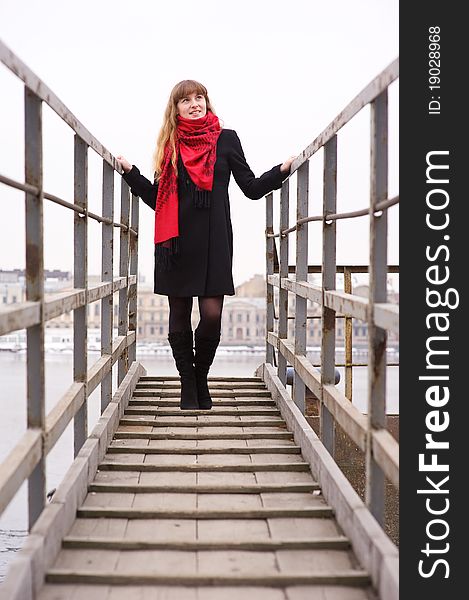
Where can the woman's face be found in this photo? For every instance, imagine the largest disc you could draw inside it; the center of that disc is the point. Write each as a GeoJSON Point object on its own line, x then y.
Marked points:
{"type": "Point", "coordinates": [192, 106]}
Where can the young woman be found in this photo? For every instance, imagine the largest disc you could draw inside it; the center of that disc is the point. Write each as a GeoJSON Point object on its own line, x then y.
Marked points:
{"type": "Point", "coordinates": [193, 161]}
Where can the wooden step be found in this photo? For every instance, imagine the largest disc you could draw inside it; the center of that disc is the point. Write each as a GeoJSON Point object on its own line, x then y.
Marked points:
{"type": "Point", "coordinates": [215, 411]}
{"type": "Point", "coordinates": [257, 488]}
{"type": "Point", "coordinates": [169, 402]}
{"type": "Point", "coordinates": [155, 435]}
{"type": "Point", "coordinates": [168, 514]}
{"type": "Point", "coordinates": [172, 378]}
{"type": "Point", "coordinates": [148, 513]}
{"type": "Point", "coordinates": [350, 577]}
{"type": "Point", "coordinates": [213, 385]}
{"type": "Point", "coordinates": [96, 543]}
{"type": "Point", "coordinates": [119, 449]}
{"type": "Point", "coordinates": [229, 393]}
{"type": "Point", "coordinates": [200, 468]}
{"type": "Point", "coordinates": [189, 419]}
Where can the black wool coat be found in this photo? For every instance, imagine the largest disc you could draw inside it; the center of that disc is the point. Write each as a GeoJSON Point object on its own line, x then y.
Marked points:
{"type": "Point", "coordinates": [203, 266]}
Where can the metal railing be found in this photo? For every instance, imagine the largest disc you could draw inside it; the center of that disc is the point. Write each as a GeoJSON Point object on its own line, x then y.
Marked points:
{"type": "Point", "coordinates": [27, 460]}
{"type": "Point", "coordinates": [369, 431]}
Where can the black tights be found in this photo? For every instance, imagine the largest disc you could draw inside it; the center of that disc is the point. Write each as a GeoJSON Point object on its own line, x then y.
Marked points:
{"type": "Point", "coordinates": [210, 308]}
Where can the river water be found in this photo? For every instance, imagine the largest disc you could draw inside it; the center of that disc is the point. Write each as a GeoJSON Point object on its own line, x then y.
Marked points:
{"type": "Point", "coordinates": [58, 376]}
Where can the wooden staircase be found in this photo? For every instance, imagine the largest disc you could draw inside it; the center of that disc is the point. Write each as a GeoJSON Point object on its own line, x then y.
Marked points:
{"type": "Point", "coordinates": [202, 505]}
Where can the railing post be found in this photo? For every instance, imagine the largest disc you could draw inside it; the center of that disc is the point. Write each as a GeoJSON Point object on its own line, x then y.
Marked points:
{"type": "Point", "coordinates": [283, 272]}
{"type": "Point", "coordinates": [301, 271]}
{"type": "Point", "coordinates": [348, 331]}
{"type": "Point", "coordinates": [123, 363]}
{"type": "Point", "coordinates": [107, 275]}
{"type": "Point", "coordinates": [35, 293]}
{"type": "Point", "coordinates": [80, 280]}
{"type": "Point", "coordinates": [377, 337]}
{"type": "Point", "coordinates": [133, 271]}
{"type": "Point", "coordinates": [269, 269]}
{"type": "Point", "coordinates": [328, 283]}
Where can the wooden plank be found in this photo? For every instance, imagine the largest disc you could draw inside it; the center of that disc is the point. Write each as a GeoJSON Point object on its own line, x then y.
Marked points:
{"type": "Point", "coordinates": [215, 394]}
{"type": "Point", "coordinates": [116, 449]}
{"type": "Point", "coordinates": [187, 417]}
{"type": "Point", "coordinates": [203, 489]}
{"type": "Point", "coordinates": [19, 464]}
{"type": "Point", "coordinates": [352, 421]}
{"type": "Point", "coordinates": [349, 577]}
{"type": "Point", "coordinates": [19, 316]}
{"type": "Point", "coordinates": [154, 435]}
{"type": "Point", "coordinates": [386, 315]}
{"type": "Point", "coordinates": [261, 513]}
{"type": "Point", "coordinates": [215, 385]}
{"type": "Point", "coordinates": [244, 403]}
{"type": "Point", "coordinates": [96, 543]}
{"type": "Point", "coordinates": [62, 413]}
{"type": "Point", "coordinates": [216, 412]}
{"type": "Point", "coordinates": [386, 454]}
{"type": "Point", "coordinates": [200, 468]}
{"type": "Point", "coordinates": [210, 378]}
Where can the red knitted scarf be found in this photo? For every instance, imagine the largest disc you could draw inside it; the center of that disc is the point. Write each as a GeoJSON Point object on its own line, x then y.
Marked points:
{"type": "Point", "coordinates": [196, 141]}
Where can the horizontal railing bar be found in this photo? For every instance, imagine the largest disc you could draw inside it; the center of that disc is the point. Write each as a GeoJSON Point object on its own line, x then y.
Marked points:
{"type": "Point", "coordinates": [31, 189]}
{"type": "Point", "coordinates": [72, 400]}
{"type": "Point", "coordinates": [83, 211]}
{"type": "Point", "coordinates": [62, 302]}
{"type": "Point", "coordinates": [62, 413]}
{"type": "Point", "coordinates": [341, 268]}
{"type": "Point", "coordinates": [386, 316]}
{"type": "Point", "coordinates": [307, 290]}
{"type": "Point", "coordinates": [42, 91]}
{"type": "Point", "coordinates": [19, 464]}
{"type": "Point", "coordinates": [26, 454]}
{"type": "Point", "coordinates": [384, 205]}
{"type": "Point", "coordinates": [346, 414]}
{"type": "Point", "coordinates": [106, 288]}
{"type": "Point", "coordinates": [348, 305]}
{"type": "Point", "coordinates": [22, 315]}
{"type": "Point", "coordinates": [19, 316]}
{"type": "Point", "coordinates": [293, 228]}
{"type": "Point", "coordinates": [286, 348]}
{"type": "Point", "coordinates": [386, 454]}
{"type": "Point", "coordinates": [24, 187]}
{"type": "Point", "coordinates": [364, 211]}
{"type": "Point", "coordinates": [104, 364]}
{"type": "Point", "coordinates": [75, 207]}
{"type": "Point", "coordinates": [367, 95]}
{"type": "Point", "coordinates": [97, 372]}
{"type": "Point", "coordinates": [352, 421]}
{"type": "Point", "coordinates": [308, 374]}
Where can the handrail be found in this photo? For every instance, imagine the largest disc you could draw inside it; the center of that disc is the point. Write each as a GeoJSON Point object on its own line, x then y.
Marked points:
{"type": "Point", "coordinates": [27, 459]}
{"type": "Point", "coordinates": [376, 87]}
{"type": "Point", "coordinates": [369, 431]}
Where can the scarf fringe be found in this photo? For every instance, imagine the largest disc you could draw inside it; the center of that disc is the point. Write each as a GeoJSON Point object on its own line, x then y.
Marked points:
{"type": "Point", "coordinates": [164, 252]}
{"type": "Point", "coordinates": [201, 198]}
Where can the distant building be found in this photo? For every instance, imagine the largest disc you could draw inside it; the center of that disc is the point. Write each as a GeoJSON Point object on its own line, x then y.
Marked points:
{"type": "Point", "coordinates": [255, 287]}
{"type": "Point", "coordinates": [243, 320]}
{"type": "Point", "coordinates": [13, 284]}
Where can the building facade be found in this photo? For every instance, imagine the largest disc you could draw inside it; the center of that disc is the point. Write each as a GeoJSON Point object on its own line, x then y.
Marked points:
{"type": "Point", "coordinates": [243, 320]}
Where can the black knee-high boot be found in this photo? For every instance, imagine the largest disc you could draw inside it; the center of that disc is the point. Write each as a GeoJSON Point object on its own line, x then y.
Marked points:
{"type": "Point", "coordinates": [181, 343]}
{"type": "Point", "coordinates": [205, 349]}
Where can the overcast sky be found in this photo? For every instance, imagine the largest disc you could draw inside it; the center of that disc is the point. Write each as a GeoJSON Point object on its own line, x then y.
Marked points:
{"type": "Point", "coordinates": [276, 72]}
